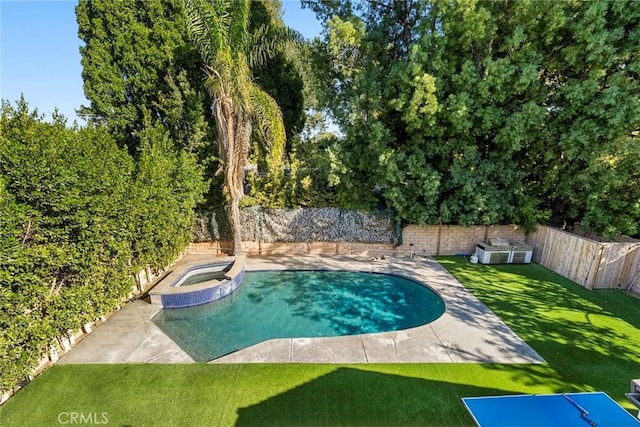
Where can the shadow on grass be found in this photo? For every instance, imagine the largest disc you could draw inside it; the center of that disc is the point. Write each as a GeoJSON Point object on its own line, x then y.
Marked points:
{"type": "Point", "coordinates": [589, 337]}
{"type": "Point", "coordinates": [353, 397]}
{"type": "Point", "coordinates": [262, 394]}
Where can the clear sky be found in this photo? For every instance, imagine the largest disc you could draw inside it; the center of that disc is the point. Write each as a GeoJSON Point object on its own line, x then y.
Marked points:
{"type": "Point", "coordinates": [39, 51]}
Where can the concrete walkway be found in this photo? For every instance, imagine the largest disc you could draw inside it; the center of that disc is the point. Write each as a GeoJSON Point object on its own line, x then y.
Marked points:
{"type": "Point", "coordinates": [467, 332]}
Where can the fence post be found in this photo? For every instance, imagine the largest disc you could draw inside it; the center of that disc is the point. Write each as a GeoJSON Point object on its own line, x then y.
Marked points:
{"type": "Point", "coordinates": [595, 276]}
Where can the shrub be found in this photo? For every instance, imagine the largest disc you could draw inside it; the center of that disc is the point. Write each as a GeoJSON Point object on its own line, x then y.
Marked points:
{"type": "Point", "coordinates": [78, 216]}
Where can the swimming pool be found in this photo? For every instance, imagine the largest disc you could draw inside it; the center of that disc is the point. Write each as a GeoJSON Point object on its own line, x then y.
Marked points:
{"type": "Point", "coordinates": [300, 304]}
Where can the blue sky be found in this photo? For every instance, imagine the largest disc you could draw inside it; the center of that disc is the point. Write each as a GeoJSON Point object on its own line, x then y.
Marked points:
{"type": "Point", "coordinates": [39, 51]}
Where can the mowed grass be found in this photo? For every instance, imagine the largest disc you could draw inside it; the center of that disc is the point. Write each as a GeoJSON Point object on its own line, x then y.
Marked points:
{"type": "Point", "coordinates": [589, 340]}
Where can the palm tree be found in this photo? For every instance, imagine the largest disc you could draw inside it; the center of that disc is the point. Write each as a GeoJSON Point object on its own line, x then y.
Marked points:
{"type": "Point", "coordinates": [220, 31]}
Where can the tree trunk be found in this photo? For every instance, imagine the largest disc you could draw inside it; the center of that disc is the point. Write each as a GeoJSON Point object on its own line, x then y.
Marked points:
{"type": "Point", "coordinates": [234, 216]}
{"type": "Point", "coordinates": [234, 130]}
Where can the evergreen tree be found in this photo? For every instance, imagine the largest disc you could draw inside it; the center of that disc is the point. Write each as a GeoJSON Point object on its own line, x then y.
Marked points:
{"type": "Point", "coordinates": [137, 63]}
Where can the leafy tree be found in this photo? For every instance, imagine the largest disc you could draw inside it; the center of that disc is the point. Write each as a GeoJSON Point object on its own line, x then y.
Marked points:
{"type": "Point", "coordinates": [220, 30]}
{"type": "Point", "coordinates": [486, 112]}
{"type": "Point", "coordinates": [281, 77]}
{"type": "Point", "coordinates": [592, 127]}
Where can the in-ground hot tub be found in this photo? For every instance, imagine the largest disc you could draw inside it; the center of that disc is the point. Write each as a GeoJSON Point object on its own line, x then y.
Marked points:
{"type": "Point", "coordinates": [193, 285]}
{"type": "Point", "coordinates": [203, 273]}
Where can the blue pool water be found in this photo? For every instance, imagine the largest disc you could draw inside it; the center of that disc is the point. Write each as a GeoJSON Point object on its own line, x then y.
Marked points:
{"type": "Point", "coordinates": [297, 304]}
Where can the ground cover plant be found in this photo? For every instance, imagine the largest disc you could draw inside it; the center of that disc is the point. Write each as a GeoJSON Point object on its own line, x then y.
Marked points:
{"type": "Point", "coordinates": [587, 338]}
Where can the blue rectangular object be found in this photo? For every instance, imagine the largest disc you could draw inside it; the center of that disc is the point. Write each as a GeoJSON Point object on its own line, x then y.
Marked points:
{"type": "Point", "coordinates": [595, 409]}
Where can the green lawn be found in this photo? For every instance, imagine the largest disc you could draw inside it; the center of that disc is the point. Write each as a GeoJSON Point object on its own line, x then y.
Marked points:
{"type": "Point", "coordinates": [587, 338]}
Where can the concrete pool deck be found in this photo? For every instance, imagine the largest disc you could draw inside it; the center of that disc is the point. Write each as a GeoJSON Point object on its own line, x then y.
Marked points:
{"type": "Point", "coordinates": [467, 332]}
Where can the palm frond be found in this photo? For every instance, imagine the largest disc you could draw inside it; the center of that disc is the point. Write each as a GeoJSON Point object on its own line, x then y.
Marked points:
{"type": "Point", "coordinates": [268, 119]}
{"type": "Point", "coordinates": [239, 26]}
{"type": "Point", "coordinates": [266, 41]}
{"type": "Point", "coordinates": [208, 25]}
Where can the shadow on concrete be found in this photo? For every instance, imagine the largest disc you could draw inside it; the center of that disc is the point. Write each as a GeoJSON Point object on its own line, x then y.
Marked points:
{"type": "Point", "coordinates": [354, 397]}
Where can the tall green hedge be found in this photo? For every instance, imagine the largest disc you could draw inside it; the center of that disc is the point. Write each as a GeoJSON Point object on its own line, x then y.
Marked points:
{"type": "Point", "coordinates": [78, 216]}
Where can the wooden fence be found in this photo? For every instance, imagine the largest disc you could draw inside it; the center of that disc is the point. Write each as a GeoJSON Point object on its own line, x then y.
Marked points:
{"type": "Point", "coordinates": [592, 264]}
{"type": "Point", "coordinates": [634, 288]}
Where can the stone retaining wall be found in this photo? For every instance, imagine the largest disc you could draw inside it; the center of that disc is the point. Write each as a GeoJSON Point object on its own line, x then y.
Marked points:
{"type": "Point", "coordinates": [299, 225]}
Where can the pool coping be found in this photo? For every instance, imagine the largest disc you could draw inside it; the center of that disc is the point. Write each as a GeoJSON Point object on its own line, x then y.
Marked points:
{"type": "Point", "coordinates": [468, 332]}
